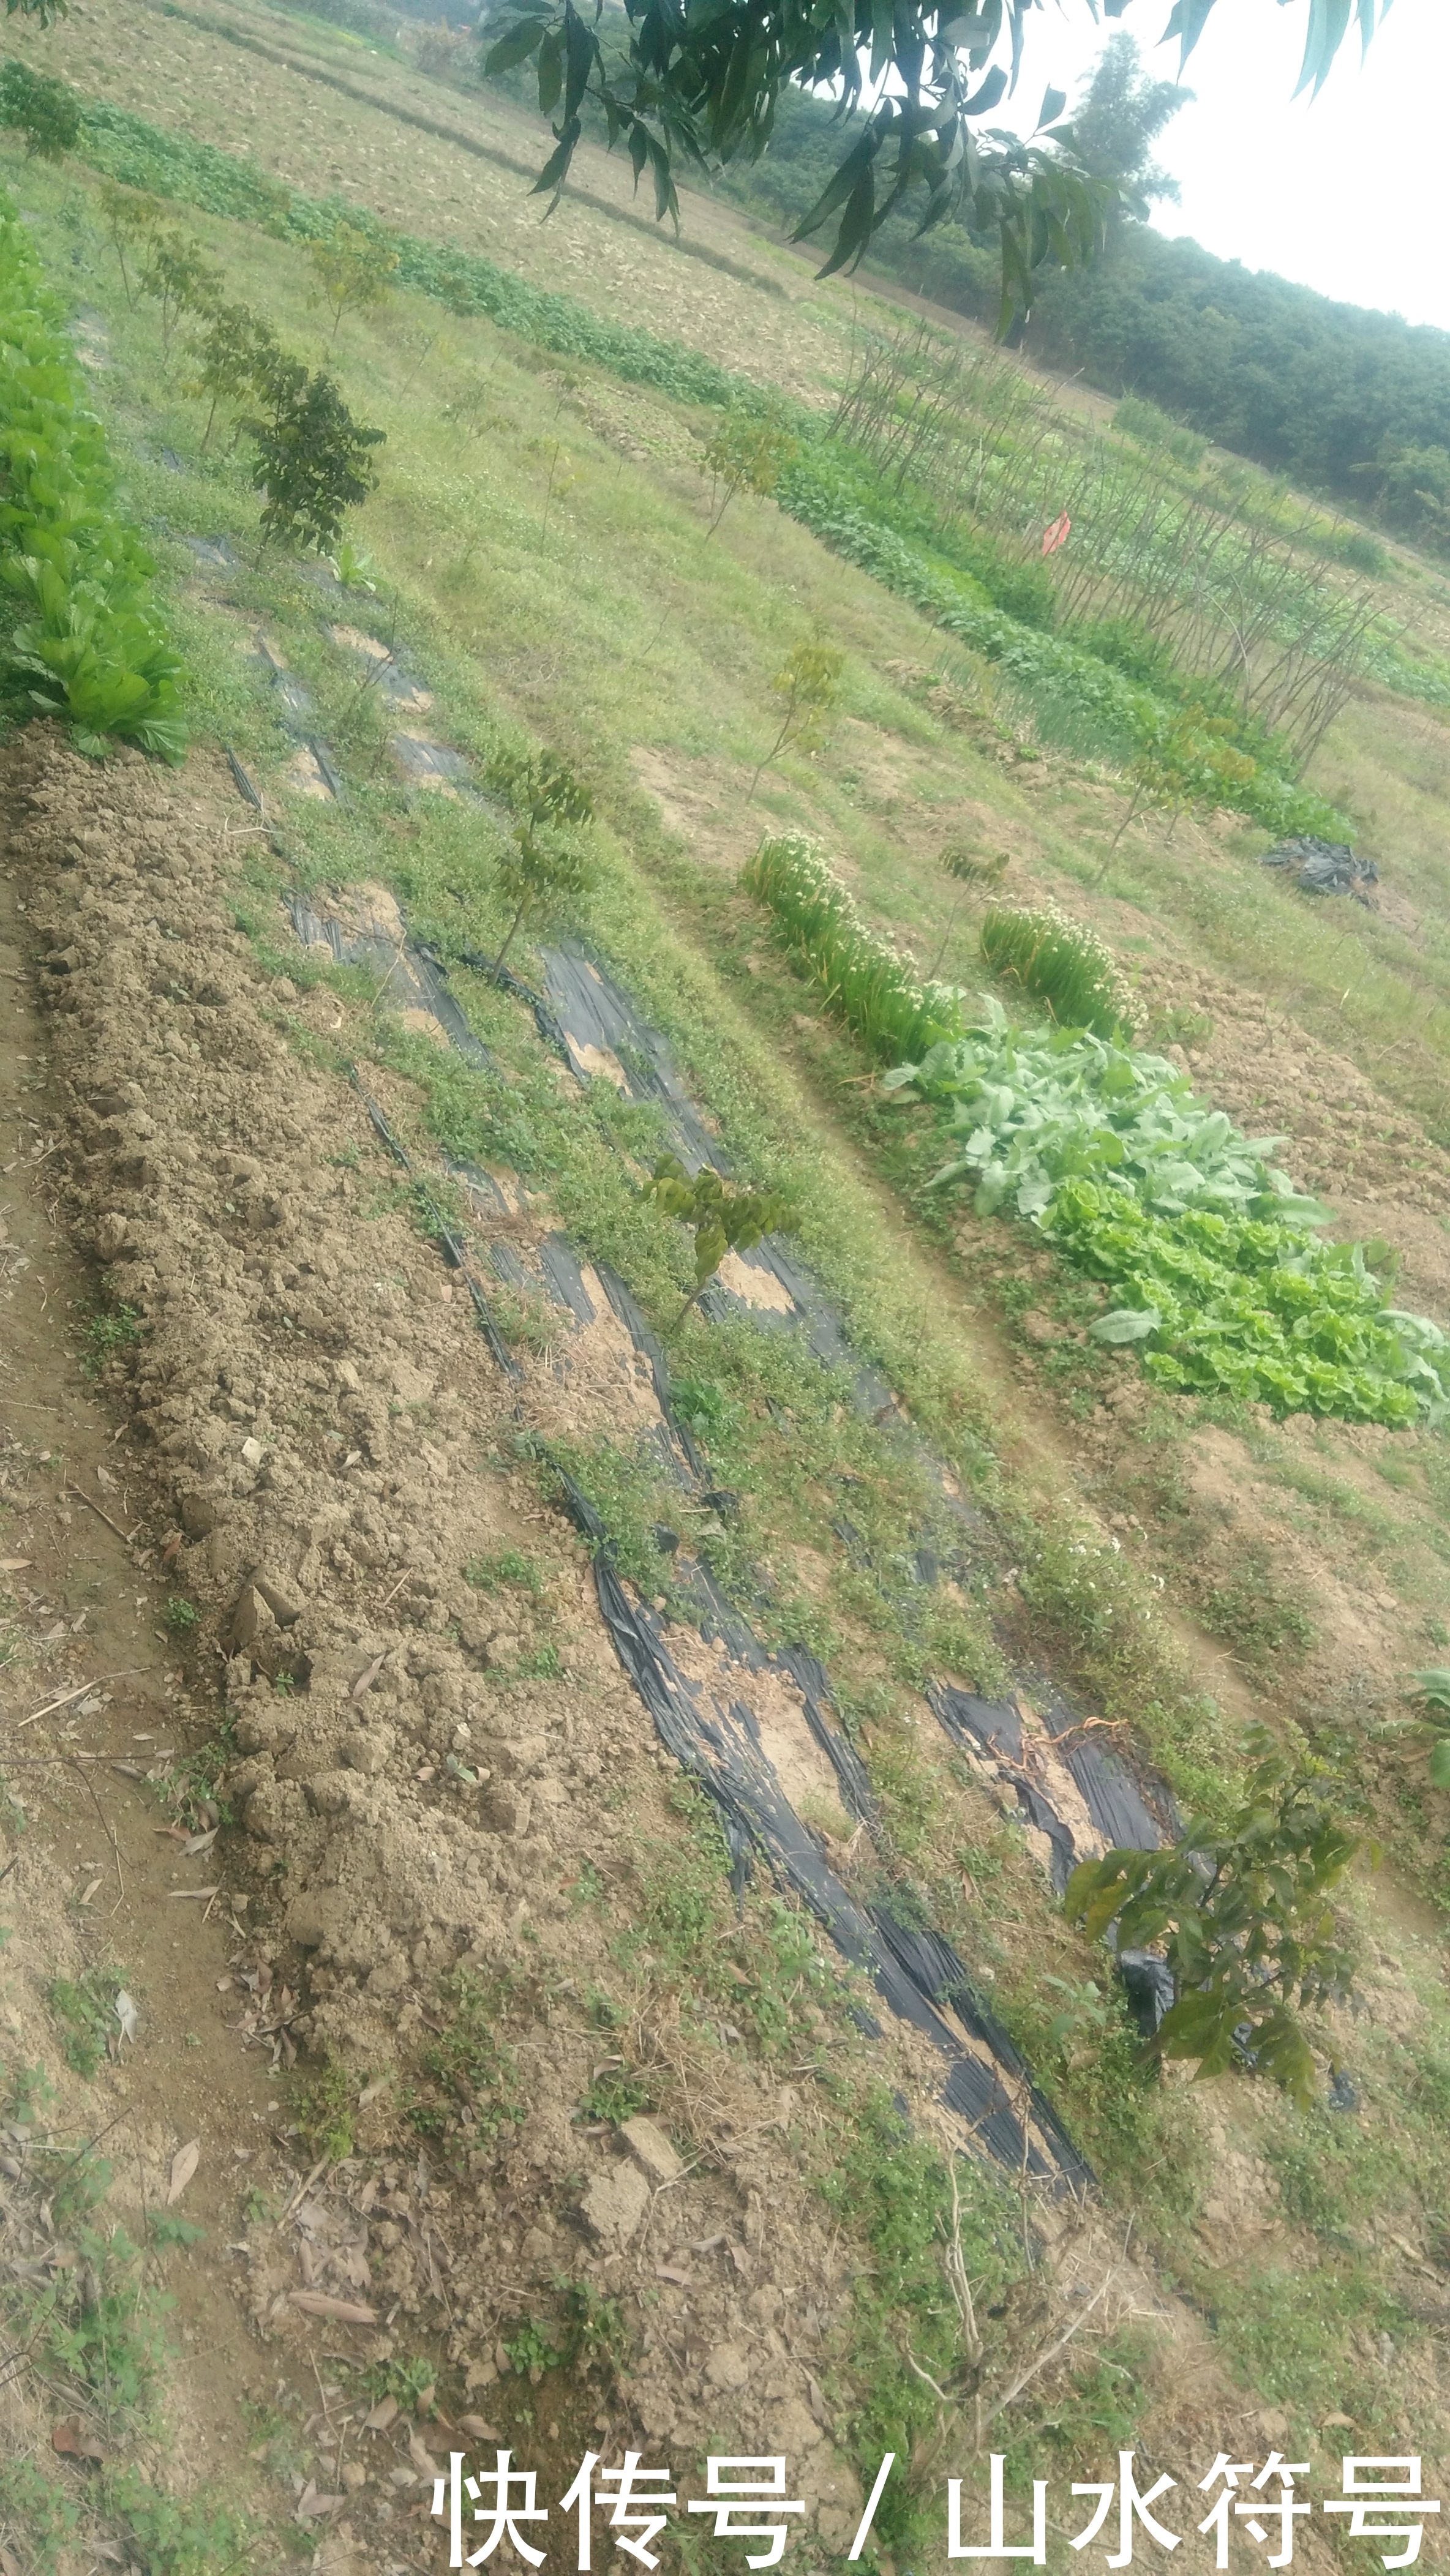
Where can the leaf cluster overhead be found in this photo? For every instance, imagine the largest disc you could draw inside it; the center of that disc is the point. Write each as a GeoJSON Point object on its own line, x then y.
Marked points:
{"type": "Point", "coordinates": [697, 83]}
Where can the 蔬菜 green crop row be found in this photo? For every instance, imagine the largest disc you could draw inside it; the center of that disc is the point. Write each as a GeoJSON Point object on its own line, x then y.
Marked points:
{"type": "Point", "coordinates": [79, 635]}
{"type": "Point", "coordinates": [1214, 1257]}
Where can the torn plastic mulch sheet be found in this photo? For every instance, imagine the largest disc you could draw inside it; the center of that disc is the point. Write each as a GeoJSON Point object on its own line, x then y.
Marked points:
{"type": "Point", "coordinates": [214, 554]}
{"type": "Point", "coordinates": [455, 1251]}
{"type": "Point", "coordinates": [716, 1616]}
{"type": "Point", "coordinates": [412, 982]}
{"type": "Point", "coordinates": [1045, 1767]}
{"type": "Point", "coordinates": [426, 763]}
{"type": "Point", "coordinates": [605, 1038]}
{"type": "Point", "coordinates": [717, 1741]}
{"type": "Point", "coordinates": [507, 982]}
{"type": "Point", "coordinates": [1148, 1985]}
{"type": "Point", "coordinates": [385, 671]}
{"type": "Point", "coordinates": [243, 781]}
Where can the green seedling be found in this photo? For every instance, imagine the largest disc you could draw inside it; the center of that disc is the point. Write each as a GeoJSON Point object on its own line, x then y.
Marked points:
{"type": "Point", "coordinates": [808, 685]}
{"type": "Point", "coordinates": [1241, 1913]}
{"type": "Point", "coordinates": [722, 1217]}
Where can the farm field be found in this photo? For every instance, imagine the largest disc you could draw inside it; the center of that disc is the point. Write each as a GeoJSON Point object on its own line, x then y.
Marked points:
{"type": "Point", "coordinates": [520, 2105]}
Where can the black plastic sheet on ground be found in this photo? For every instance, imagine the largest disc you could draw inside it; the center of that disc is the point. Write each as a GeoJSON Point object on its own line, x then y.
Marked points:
{"type": "Point", "coordinates": [1113, 1798]}
{"type": "Point", "coordinates": [454, 1250]}
{"type": "Point", "coordinates": [409, 978]}
{"type": "Point", "coordinates": [606, 1038]}
{"type": "Point", "coordinates": [1324, 867]}
{"type": "Point", "coordinates": [717, 1741]}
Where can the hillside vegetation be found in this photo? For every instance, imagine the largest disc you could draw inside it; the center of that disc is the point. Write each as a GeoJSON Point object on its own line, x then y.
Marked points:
{"type": "Point", "coordinates": [689, 635]}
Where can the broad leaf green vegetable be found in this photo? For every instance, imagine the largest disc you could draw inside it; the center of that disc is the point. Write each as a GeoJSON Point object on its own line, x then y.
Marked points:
{"type": "Point", "coordinates": [79, 638]}
{"type": "Point", "coordinates": [1213, 1257]}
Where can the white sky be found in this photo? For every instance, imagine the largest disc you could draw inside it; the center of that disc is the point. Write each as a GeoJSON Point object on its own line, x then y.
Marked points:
{"type": "Point", "coordinates": [1346, 193]}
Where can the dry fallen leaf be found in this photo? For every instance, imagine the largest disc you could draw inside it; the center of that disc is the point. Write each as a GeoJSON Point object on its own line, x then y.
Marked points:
{"type": "Point", "coordinates": [76, 2441]}
{"type": "Point", "coordinates": [666, 2272]}
{"type": "Point", "coordinates": [365, 1680]}
{"type": "Point", "coordinates": [423, 2461]}
{"type": "Point", "coordinates": [125, 2011]}
{"type": "Point", "coordinates": [383, 2414]}
{"type": "Point", "coordinates": [311, 2505]}
{"type": "Point", "coordinates": [478, 2429]}
{"type": "Point", "coordinates": [195, 1843]}
{"type": "Point", "coordinates": [348, 2312]}
{"type": "Point", "coordinates": [183, 1892]}
{"type": "Point", "coordinates": [15, 1564]}
{"type": "Point", "coordinates": [183, 2165]}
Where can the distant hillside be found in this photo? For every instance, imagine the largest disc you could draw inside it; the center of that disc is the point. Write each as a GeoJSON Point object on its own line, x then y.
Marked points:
{"type": "Point", "coordinates": [1351, 402]}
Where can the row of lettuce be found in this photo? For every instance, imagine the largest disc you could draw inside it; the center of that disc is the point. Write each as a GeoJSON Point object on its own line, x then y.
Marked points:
{"type": "Point", "coordinates": [1217, 1267]}
{"type": "Point", "coordinates": [80, 636]}
{"type": "Point", "coordinates": [982, 595]}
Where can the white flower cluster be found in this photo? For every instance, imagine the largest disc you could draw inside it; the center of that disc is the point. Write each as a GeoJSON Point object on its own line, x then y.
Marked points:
{"type": "Point", "coordinates": [791, 874]}
{"type": "Point", "coordinates": [1030, 928]}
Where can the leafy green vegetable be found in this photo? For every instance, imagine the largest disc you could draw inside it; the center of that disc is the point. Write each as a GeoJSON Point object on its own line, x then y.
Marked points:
{"type": "Point", "coordinates": [83, 642]}
{"type": "Point", "coordinates": [1035, 1107]}
{"type": "Point", "coordinates": [1211, 1253]}
{"type": "Point", "coordinates": [1257, 1309]}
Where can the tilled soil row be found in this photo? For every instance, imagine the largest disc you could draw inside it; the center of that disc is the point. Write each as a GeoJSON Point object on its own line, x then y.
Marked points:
{"type": "Point", "coordinates": [328, 1444]}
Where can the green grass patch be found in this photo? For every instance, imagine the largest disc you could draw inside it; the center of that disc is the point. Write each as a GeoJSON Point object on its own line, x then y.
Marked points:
{"type": "Point", "coordinates": [84, 2011]}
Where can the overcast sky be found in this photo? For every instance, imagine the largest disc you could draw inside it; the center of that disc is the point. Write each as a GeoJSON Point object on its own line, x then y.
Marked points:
{"type": "Point", "coordinates": [1346, 193]}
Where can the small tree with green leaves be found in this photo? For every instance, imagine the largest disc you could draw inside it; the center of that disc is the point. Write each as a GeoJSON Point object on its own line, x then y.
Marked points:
{"type": "Point", "coordinates": [808, 685]}
{"type": "Point", "coordinates": [1190, 760]}
{"type": "Point", "coordinates": [353, 271]}
{"type": "Point", "coordinates": [47, 112]}
{"type": "Point", "coordinates": [1241, 1913]}
{"type": "Point", "coordinates": [131, 218]}
{"type": "Point", "coordinates": [179, 274]}
{"type": "Point", "coordinates": [238, 359]}
{"type": "Point", "coordinates": [722, 1217]}
{"type": "Point", "coordinates": [314, 461]}
{"type": "Point", "coordinates": [746, 453]}
{"type": "Point", "coordinates": [546, 873]}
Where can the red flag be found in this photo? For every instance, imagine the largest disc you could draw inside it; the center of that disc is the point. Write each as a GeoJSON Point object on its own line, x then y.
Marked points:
{"type": "Point", "coordinates": [1057, 535]}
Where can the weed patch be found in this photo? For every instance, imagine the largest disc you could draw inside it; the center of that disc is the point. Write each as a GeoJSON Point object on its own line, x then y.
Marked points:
{"type": "Point", "coordinates": [84, 2011]}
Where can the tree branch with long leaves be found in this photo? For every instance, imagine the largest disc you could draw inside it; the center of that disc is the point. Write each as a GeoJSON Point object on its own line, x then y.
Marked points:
{"type": "Point", "coordinates": [695, 85]}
